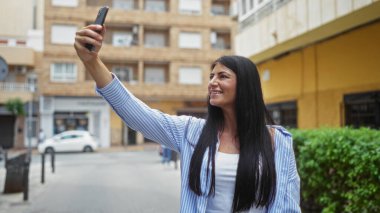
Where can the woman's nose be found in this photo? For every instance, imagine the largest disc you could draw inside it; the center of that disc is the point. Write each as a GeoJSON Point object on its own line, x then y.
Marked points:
{"type": "Point", "coordinates": [212, 81]}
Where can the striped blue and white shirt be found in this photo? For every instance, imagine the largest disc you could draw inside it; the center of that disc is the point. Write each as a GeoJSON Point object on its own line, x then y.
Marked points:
{"type": "Point", "coordinates": [181, 133]}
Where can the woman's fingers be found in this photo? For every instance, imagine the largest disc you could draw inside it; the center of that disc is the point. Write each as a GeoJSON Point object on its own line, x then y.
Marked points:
{"type": "Point", "coordinates": [88, 32]}
{"type": "Point", "coordinates": [103, 31]}
{"type": "Point", "coordinates": [91, 31]}
{"type": "Point", "coordinates": [87, 40]}
{"type": "Point", "coordinates": [91, 35]}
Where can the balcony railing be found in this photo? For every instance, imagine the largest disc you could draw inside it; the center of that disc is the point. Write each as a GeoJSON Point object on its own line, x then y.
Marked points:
{"type": "Point", "coordinates": [16, 87]}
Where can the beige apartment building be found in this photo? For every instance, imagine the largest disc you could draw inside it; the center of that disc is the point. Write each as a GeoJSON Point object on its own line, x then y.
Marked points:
{"type": "Point", "coordinates": [21, 46]}
{"type": "Point", "coordinates": [160, 49]}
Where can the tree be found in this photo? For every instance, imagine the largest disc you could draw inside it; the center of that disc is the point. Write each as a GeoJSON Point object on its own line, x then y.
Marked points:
{"type": "Point", "coordinates": [16, 107]}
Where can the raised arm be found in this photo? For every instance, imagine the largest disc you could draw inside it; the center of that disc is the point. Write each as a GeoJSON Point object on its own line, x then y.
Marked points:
{"type": "Point", "coordinates": [90, 59]}
{"type": "Point", "coordinates": [155, 125]}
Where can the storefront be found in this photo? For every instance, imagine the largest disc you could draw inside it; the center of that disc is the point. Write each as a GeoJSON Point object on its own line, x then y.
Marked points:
{"type": "Point", "coordinates": [60, 114]}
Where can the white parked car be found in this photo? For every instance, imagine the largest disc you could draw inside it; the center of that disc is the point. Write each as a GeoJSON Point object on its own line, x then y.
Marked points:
{"type": "Point", "coordinates": [69, 141]}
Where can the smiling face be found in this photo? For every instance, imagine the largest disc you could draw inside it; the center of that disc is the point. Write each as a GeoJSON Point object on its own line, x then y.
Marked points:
{"type": "Point", "coordinates": [222, 87]}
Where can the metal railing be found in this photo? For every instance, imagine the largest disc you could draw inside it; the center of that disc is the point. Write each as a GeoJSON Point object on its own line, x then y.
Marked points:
{"type": "Point", "coordinates": [259, 11]}
{"type": "Point", "coordinates": [16, 87]}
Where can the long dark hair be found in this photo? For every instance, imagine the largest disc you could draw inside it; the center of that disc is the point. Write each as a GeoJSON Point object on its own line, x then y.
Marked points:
{"type": "Point", "coordinates": [256, 175]}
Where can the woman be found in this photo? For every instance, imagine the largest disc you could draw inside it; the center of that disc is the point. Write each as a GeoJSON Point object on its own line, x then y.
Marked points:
{"type": "Point", "coordinates": [230, 162]}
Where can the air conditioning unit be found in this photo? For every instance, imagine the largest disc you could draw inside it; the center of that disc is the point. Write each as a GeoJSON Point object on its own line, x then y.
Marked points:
{"type": "Point", "coordinates": [20, 69]}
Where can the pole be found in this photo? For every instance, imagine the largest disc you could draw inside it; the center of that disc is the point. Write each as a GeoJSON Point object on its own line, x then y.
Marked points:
{"type": "Point", "coordinates": [43, 168]}
{"type": "Point", "coordinates": [52, 158]}
{"type": "Point", "coordinates": [30, 117]}
{"type": "Point", "coordinates": [30, 111]}
{"type": "Point", "coordinates": [26, 179]}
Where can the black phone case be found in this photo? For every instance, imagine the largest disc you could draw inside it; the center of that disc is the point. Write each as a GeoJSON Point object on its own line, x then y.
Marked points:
{"type": "Point", "coordinates": [100, 18]}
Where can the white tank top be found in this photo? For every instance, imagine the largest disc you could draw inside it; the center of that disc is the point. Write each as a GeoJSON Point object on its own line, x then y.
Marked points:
{"type": "Point", "coordinates": [225, 175]}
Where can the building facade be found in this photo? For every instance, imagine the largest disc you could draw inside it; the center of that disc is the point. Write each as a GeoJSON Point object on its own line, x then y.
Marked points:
{"type": "Point", "coordinates": [318, 60]}
{"type": "Point", "coordinates": [21, 46]}
{"type": "Point", "coordinates": [160, 49]}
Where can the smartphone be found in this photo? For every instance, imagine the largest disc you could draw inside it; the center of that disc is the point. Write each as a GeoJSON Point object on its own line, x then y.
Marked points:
{"type": "Point", "coordinates": [100, 18]}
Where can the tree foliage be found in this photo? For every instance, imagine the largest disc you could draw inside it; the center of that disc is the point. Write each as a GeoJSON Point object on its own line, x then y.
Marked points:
{"type": "Point", "coordinates": [15, 106]}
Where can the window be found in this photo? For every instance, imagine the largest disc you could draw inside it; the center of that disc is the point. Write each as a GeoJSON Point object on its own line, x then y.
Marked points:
{"type": "Point", "coordinates": [251, 4]}
{"type": "Point", "coordinates": [190, 6]}
{"type": "Point", "coordinates": [190, 40]}
{"type": "Point", "coordinates": [63, 72]}
{"type": "Point", "coordinates": [155, 38]}
{"type": "Point", "coordinates": [32, 81]}
{"type": "Point", "coordinates": [64, 121]}
{"type": "Point", "coordinates": [220, 40]}
{"type": "Point", "coordinates": [65, 3]}
{"type": "Point", "coordinates": [362, 109]}
{"type": "Point", "coordinates": [124, 4]}
{"type": "Point", "coordinates": [284, 113]}
{"type": "Point", "coordinates": [121, 36]}
{"type": "Point", "coordinates": [190, 75]}
{"type": "Point", "coordinates": [156, 5]}
{"type": "Point", "coordinates": [248, 7]}
{"type": "Point", "coordinates": [65, 137]}
{"type": "Point", "coordinates": [124, 73]}
{"type": "Point", "coordinates": [63, 34]}
{"type": "Point", "coordinates": [220, 7]}
{"type": "Point", "coordinates": [120, 39]}
{"type": "Point", "coordinates": [243, 7]}
{"type": "Point", "coordinates": [155, 73]}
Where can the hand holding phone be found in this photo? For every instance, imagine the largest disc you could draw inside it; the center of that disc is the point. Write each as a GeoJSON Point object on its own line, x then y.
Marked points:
{"type": "Point", "coordinates": [100, 18]}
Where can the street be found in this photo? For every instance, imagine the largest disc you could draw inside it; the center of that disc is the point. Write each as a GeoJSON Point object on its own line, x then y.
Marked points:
{"type": "Point", "coordinates": [99, 182]}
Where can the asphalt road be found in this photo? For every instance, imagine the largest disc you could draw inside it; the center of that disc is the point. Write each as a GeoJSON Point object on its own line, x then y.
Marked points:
{"type": "Point", "coordinates": [117, 182]}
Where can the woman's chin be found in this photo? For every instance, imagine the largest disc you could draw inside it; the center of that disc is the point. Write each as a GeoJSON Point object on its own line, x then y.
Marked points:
{"type": "Point", "coordinates": [214, 103]}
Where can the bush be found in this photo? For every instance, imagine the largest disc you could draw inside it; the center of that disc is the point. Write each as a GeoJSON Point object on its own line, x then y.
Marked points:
{"type": "Point", "coordinates": [339, 169]}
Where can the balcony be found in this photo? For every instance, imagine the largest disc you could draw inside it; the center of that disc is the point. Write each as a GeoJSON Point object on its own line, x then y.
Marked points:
{"type": "Point", "coordinates": [156, 38]}
{"type": "Point", "coordinates": [156, 5]}
{"type": "Point", "coordinates": [220, 7]}
{"type": "Point", "coordinates": [17, 55]}
{"type": "Point", "coordinates": [122, 36]}
{"type": "Point", "coordinates": [220, 40]}
{"type": "Point", "coordinates": [115, 4]}
{"type": "Point", "coordinates": [10, 90]}
{"type": "Point", "coordinates": [16, 87]}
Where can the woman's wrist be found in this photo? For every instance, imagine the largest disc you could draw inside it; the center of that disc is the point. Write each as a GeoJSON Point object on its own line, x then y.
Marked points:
{"type": "Point", "coordinates": [99, 72]}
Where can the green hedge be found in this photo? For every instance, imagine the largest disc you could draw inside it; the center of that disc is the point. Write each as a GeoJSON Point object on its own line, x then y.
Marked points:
{"type": "Point", "coordinates": [339, 169]}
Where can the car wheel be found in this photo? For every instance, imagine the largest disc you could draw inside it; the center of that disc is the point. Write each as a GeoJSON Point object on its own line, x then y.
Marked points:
{"type": "Point", "coordinates": [87, 149]}
{"type": "Point", "coordinates": [49, 150]}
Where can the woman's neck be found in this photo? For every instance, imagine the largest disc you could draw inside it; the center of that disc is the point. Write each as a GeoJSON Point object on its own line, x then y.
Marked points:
{"type": "Point", "coordinates": [229, 141]}
{"type": "Point", "coordinates": [230, 125]}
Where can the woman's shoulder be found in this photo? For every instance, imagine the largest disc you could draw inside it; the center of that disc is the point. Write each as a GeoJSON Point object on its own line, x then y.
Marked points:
{"type": "Point", "coordinates": [282, 137]}
{"type": "Point", "coordinates": [194, 128]}
{"type": "Point", "coordinates": [280, 129]}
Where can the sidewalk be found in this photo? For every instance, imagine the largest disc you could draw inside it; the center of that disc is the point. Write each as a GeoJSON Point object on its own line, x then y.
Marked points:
{"type": "Point", "coordinates": [137, 147]}
{"type": "Point", "coordinates": [8, 202]}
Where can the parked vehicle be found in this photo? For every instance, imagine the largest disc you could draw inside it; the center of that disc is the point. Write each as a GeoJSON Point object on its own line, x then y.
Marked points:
{"type": "Point", "coordinates": [69, 141]}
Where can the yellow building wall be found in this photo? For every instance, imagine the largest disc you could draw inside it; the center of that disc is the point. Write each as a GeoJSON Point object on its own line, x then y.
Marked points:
{"type": "Point", "coordinates": [318, 76]}
{"type": "Point", "coordinates": [283, 72]}
{"type": "Point", "coordinates": [116, 129]}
